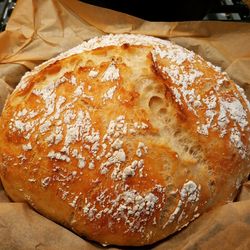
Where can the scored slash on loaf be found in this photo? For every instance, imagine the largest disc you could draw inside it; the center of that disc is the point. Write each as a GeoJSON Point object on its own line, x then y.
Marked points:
{"type": "Point", "coordinates": [125, 139]}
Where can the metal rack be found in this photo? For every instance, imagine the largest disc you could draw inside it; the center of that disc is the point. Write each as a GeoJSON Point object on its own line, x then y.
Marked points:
{"type": "Point", "coordinates": [6, 8]}
{"type": "Point", "coordinates": [229, 10]}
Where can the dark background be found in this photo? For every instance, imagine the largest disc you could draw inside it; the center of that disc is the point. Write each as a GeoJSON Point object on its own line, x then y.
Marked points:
{"type": "Point", "coordinates": [162, 10]}
{"type": "Point", "coordinates": [179, 10]}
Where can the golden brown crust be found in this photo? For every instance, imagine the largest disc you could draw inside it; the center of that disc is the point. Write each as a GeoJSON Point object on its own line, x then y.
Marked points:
{"type": "Point", "coordinates": [125, 139]}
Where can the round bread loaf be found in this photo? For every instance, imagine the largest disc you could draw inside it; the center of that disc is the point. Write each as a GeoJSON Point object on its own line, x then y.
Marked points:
{"type": "Point", "coordinates": [125, 139]}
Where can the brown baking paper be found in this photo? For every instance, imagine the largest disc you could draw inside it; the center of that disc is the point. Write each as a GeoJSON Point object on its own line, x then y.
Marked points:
{"type": "Point", "coordinates": [39, 30]}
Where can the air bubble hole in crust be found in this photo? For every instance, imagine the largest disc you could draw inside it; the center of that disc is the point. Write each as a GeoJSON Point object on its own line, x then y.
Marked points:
{"type": "Point", "coordinates": [186, 148]}
{"type": "Point", "coordinates": [177, 133]}
{"type": "Point", "coordinates": [162, 112]}
{"type": "Point", "coordinates": [155, 102]}
{"type": "Point", "coordinates": [195, 149]}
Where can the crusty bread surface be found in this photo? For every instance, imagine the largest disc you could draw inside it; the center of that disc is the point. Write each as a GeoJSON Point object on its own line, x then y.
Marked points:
{"type": "Point", "coordinates": [125, 139]}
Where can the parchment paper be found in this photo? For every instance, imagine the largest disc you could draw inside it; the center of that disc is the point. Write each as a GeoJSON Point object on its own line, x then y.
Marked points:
{"type": "Point", "coordinates": [38, 30]}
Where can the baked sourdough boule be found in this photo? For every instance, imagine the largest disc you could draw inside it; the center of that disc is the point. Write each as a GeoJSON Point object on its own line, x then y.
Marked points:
{"type": "Point", "coordinates": [125, 139]}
